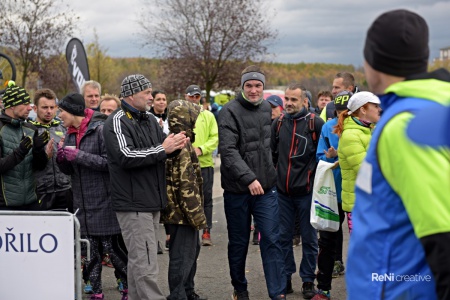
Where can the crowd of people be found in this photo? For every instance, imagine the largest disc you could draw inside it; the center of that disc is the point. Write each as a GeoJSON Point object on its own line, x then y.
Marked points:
{"type": "Point", "coordinates": [124, 164]}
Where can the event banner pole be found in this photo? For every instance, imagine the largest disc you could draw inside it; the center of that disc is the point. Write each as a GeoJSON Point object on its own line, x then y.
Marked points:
{"type": "Point", "coordinates": [78, 64]}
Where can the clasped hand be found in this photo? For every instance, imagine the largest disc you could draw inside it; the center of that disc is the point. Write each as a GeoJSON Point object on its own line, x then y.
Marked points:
{"type": "Point", "coordinates": [175, 142]}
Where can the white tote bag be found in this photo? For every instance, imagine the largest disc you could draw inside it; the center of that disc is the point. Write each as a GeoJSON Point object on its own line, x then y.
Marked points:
{"type": "Point", "coordinates": [324, 213]}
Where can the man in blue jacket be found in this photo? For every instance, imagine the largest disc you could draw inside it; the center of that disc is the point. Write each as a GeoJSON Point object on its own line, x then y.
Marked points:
{"type": "Point", "coordinates": [401, 236]}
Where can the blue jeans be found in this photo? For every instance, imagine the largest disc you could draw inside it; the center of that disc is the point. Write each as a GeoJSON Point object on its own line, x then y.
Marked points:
{"type": "Point", "coordinates": [288, 207]}
{"type": "Point", "coordinates": [239, 209]}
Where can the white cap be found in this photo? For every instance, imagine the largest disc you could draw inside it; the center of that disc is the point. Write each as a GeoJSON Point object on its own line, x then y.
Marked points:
{"type": "Point", "coordinates": [359, 99]}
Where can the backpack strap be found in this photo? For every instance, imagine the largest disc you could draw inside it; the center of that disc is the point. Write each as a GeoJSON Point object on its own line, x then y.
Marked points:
{"type": "Point", "coordinates": [279, 122]}
{"type": "Point", "coordinates": [312, 127]}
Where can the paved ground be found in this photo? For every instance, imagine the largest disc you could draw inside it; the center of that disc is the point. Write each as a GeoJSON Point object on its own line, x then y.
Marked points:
{"type": "Point", "coordinates": [212, 279]}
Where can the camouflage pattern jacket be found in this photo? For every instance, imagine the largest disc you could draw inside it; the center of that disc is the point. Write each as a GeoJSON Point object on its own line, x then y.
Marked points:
{"type": "Point", "coordinates": [183, 174]}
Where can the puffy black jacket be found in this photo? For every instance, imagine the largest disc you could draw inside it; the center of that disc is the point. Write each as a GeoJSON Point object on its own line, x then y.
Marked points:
{"type": "Point", "coordinates": [244, 145]}
{"type": "Point", "coordinates": [51, 179]}
{"type": "Point", "coordinates": [17, 180]}
{"type": "Point", "coordinates": [136, 160]}
{"type": "Point", "coordinates": [294, 152]}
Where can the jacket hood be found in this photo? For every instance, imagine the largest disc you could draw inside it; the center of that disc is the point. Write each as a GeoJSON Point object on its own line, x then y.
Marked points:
{"type": "Point", "coordinates": [182, 116]}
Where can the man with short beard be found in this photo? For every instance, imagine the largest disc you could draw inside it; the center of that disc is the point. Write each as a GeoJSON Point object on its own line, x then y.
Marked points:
{"type": "Point", "coordinates": [294, 144]}
{"type": "Point", "coordinates": [53, 187]}
{"type": "Point", "coordinates": [17, 162]}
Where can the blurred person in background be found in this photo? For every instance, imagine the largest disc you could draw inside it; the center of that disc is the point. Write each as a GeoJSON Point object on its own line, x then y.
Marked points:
{"type": "Point", "coordinates": [206, 141]}
{"type": "Point", "coordinates": [108, 104]}
{"type": "Point", "coordinates": [91, 91]}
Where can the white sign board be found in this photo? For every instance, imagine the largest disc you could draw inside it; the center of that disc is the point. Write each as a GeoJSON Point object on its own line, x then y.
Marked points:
{"type": "Point", "coordinates": [36, 257]}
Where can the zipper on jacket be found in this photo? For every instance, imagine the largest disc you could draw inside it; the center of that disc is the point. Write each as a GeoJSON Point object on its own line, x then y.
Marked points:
{"type": "Point", "coordinates": [288, 173]}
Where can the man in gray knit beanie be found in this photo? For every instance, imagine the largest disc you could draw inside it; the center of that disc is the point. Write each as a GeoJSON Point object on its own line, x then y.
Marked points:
{"type": "Point", "coordinates": [252, 84]}
{"type": "Point", "coordinates": [248, 179]}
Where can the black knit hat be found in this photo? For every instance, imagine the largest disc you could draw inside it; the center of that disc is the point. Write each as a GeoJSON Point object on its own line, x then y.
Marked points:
{"type": "Point", "coordinates": [74, 104]}
{"type": "Point", "coordinates": [15, 95]}
{"type": "Point", "coordinates": [397, 44]}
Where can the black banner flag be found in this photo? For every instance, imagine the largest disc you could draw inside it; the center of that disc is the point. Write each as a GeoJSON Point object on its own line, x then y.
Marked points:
{"type": "Point", "coordinates": [78, 64]}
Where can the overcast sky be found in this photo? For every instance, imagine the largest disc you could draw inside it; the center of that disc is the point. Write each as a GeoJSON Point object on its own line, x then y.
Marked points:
{"type": "Point", "coordinates": [308, 30]}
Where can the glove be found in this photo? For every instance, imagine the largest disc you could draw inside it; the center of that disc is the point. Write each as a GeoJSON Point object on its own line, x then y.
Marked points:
{"type": "Point", "coordinates": [40, 140]}
{"type": "Point", "coordinates": [70, 153]}
{"type": "Point", "coordinates": [60, 156]}
{"type": "Point", "coordinates": [25, 145]}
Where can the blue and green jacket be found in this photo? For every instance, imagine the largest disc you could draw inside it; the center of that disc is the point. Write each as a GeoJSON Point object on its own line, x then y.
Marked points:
{"type": "Point", "coordinates": [333, 138]}
{"type": "Point", "coordinates": [401, 218]}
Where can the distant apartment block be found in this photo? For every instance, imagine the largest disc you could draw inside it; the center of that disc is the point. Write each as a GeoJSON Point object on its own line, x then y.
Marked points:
{"type": "Point", "coordinates": [444, 54]}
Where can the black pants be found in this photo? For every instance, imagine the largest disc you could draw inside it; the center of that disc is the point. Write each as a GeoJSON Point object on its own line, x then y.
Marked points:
{"type": "Point", "coordinates": [57, 200]}
{"type": "Point", "coordinates": [184, 250]}
{"type": "Point", "coordinates": [119, 259]}
{"type": "Point", "coordinates": [208, 181]}
{"type": "Point", "coordinates": [329, 245]}
{"type": "Point", "coordinates": [340, 237]}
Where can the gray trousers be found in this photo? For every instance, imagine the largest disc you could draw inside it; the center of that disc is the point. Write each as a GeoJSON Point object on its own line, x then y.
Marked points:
{"type": "Point", "coordinates": [139, 235]}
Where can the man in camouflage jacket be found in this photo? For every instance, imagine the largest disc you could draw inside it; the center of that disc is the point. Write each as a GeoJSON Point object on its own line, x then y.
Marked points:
{"type": "Point", "coordinates": [184, 213]}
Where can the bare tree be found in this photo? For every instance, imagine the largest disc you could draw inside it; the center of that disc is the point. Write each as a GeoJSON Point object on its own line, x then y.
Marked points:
{"type": "Point", "coordinates": [206, 41]}
{"type": "Point", "coordinates": [33, 29]}
{"type": "Point", "coordinates": [54, 75]}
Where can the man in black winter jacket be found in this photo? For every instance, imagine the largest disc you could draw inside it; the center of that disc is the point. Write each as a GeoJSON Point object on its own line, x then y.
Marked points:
{"type": "Point", "coordinates": [137, 150]}
{"type": "Point", "coordinates": [294, 145]}
{"type": "Point", "coordinates": [248, 179]}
